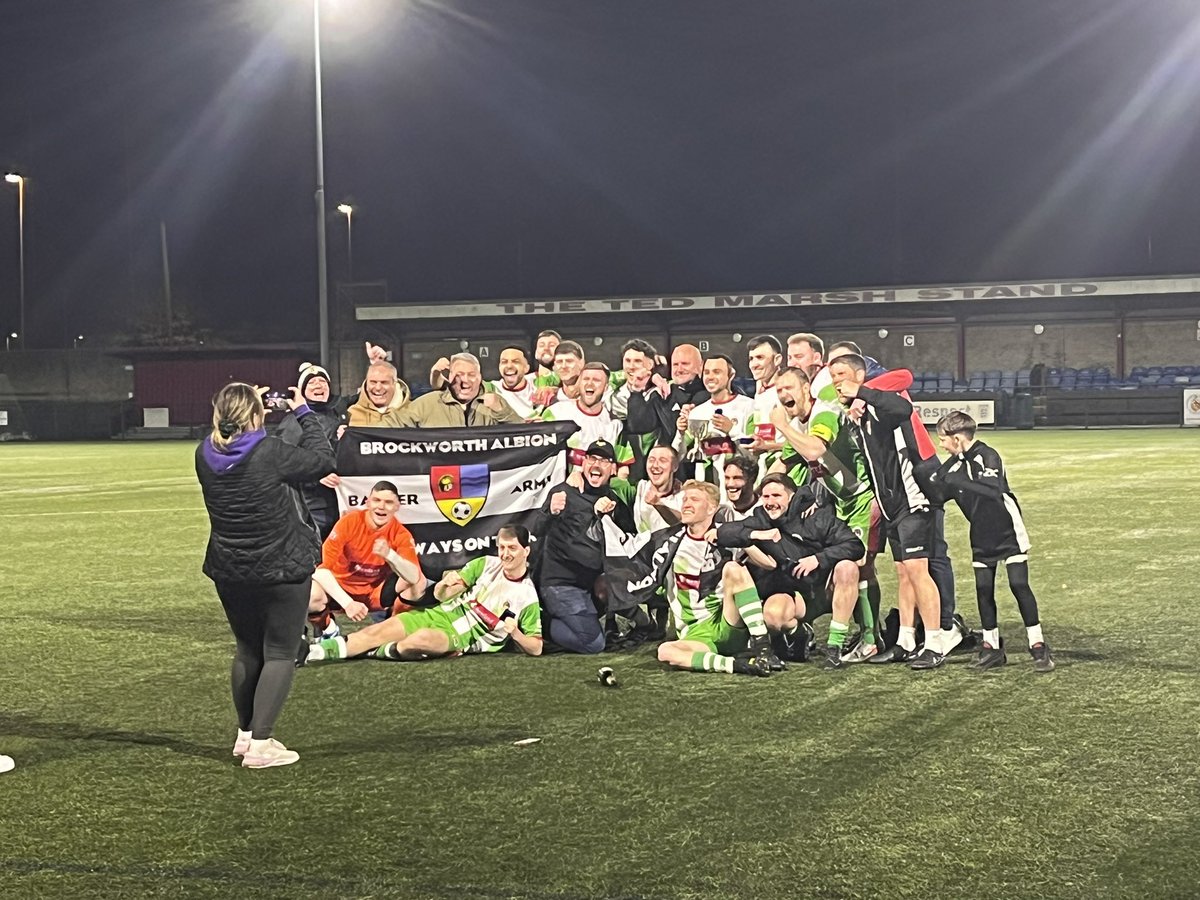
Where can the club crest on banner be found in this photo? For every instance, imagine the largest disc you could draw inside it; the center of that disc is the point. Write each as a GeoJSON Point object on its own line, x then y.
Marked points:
{"type": "Point", "coordinates": [459, 491]}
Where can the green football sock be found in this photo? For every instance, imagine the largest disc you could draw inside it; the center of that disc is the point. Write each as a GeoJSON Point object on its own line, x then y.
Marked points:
{"type": "Point", "coordinates": [332, 648]}
{"type": "Point", "coordinates": [837, 634]}
{"type": "Point", "coordinates": [750, 607]}
{"type": "Point", "coordinates": [712, 662]}
{"type": "Point", "coordinates": [866, 613]}
{"type": "Point", "coordinates": [386, 651]}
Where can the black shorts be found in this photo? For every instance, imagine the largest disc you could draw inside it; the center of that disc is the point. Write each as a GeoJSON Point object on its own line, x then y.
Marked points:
{"type": "Point", "coordinates": [913, 537]}
{"type": "Point", "coordinates": [814, 588]}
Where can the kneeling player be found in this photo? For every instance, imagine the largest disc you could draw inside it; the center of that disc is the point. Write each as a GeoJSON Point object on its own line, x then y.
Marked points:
{"type": "Point", "coordinates": [974, 477]}
{"type": "Point", "coordinates": [481, 607]}
{"type": "Point", "coordinates": [716, 610]}
{"type": "Point", "coordinates": [810, 554]}
{"type": "Point", "coordinates": [368, 563]}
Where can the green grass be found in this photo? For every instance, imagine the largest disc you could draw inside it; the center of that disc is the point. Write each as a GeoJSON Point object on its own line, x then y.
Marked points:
{"type": "Point", "coordinates": [1081, 783]}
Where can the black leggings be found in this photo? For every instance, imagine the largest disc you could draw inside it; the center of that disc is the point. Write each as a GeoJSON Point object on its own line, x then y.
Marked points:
{"type": "Point", "coordinates": [1018, 582]}
{"type": "Point", "coordinates": [268, 622]}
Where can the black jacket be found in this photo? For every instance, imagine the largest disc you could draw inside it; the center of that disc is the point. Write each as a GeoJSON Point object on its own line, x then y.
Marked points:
{"type": "Point", "coordinates": [820, 534]}
{"type": "Point", "coordinates": [572, 543]}
{"type": "Point", "coordinates": [652, 413]}
{"type": "Point", "coordinates": [331, 415]}
{"type": "Point", "coordinates": [258, 535]}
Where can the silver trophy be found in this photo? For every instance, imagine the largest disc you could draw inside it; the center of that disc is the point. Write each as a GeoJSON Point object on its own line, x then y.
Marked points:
{"type": "Point", "coordinates": [698, 430]}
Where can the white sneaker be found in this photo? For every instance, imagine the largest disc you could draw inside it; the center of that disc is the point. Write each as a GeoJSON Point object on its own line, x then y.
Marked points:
{"type": "Point", "coordinates": [268, 753]}
{"type": "Point", "coordinates": [7, 764]}
{"type": "Point", "coordinates": [242, 744]}
{"type": "Point", "coordinates": [331, 630]}
{"type": "Point", "coordinates": [861, 653]}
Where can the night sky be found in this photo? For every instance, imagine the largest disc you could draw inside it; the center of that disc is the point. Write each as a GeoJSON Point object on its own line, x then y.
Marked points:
{"type": "Point", "coordinates": [514, 148]}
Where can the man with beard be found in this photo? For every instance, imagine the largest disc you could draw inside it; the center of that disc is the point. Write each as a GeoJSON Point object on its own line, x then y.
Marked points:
{"type": "Point", "coordinates": [717, 613]}
{"type": "Point", "coordinates": [594, 420]}
{"type": "Point", "coordinates": [573, 551]}
{"type": "Point", "coordinates": [480, 608]}
{"type": "Point", "coordinates": [728, 416]}
{"type": "Point", "coordinates": [886, 434]}
{"type": "Point", "coordinates": [382, 398]}
{"type": "Point", "coordinates": [369, 562]}
{"type": "Point", "coordinates": [740, 474]}
{"type": "Point", "coordinates": [814, 556]}
{"type": "Point", "coordinates": [543, 353]}
{"type": "Point", "coordinates": [461, 402]}
{"type": "Point", "coordinates": [766, 357]}
{"type": "Point", "coordinates": [319, 497]}
{"type": "Point", "coordinates": [515, 385]}
{"type": "Point", "coordinates": [821, 451]}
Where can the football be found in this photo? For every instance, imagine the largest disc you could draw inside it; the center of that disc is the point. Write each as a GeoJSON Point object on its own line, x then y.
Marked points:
{"type": "Point", "coordinates": [461, 510]}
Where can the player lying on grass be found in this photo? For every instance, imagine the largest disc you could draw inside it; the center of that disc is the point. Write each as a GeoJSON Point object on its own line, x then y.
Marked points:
{"type": "Point", "coordinates": [716, 611]}
{"type": "Point", "coordinates": [974, 478]}
{"type": "Point", "coordinates": [368, 563]}
{"type": "Point", "coordinates": [481, 607]}
{"type": "Point", "coordinates": [810, 564]}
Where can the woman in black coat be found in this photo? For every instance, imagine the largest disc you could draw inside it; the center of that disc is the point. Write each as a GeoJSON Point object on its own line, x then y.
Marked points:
{"type": "Point", "coordinates": [261, 554]}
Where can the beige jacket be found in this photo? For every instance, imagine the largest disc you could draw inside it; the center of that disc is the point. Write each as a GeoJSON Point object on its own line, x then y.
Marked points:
{"type": "Point", "coordinates": [364, 414]}
{"type": "Point", "coordinates": [439, 409]}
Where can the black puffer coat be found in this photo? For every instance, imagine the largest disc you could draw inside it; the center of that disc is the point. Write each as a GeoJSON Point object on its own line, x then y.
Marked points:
{"type": "Point", "coordinates": [258, 534]}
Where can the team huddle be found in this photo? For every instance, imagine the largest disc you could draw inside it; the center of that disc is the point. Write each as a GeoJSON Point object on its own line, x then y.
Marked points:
{"type": "Point", "coordinates": [717, 524]}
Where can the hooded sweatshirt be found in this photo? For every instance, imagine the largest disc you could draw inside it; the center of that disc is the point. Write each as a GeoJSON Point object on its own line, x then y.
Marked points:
{"type": "Point", "coordinates": [258, 533]}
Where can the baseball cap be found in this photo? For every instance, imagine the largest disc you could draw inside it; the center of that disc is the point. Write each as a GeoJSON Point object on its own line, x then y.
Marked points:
{"type": "Point", "coordinates": [602, 449]}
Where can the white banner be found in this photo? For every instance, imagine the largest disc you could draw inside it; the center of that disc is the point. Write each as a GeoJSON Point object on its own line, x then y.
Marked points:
{"type": "Point", "coordinates": [982, 411]}
{"type": "Point", "coordinates": [736, 304]}
{"type": "Point", "coordinates": [1191, 406]}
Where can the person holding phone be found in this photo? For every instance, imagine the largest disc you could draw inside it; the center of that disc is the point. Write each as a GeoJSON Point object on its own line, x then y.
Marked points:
{"type": "Point", "coordinates": [261, 553]}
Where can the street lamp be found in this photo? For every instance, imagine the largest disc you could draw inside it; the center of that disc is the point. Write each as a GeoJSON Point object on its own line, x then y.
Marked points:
{"type": "Point", "coordinates": [19, 181]}
{"type": "Point", "coordinates": [322, 264]}
{"type": "Point", "coordinates": [8, 339]}
{"type": "Point", "coordinates": [75, 341]}
{"type": "Point", "coordinates": [348, 211]}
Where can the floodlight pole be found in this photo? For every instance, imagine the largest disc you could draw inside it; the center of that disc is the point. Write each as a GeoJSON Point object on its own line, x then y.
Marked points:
{"type": "Point", "coordinates": [322, 265]}
{"type": "Point", "coordinates": [19, 181]}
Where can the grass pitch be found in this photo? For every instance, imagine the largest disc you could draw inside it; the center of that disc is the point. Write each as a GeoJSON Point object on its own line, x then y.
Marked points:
{"type": "Point", "coordinates": [864, 783]}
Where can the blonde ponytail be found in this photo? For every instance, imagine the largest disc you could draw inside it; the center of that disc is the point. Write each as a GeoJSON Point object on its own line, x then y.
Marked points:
{"type": "Point", "coordinates": [237, 408]}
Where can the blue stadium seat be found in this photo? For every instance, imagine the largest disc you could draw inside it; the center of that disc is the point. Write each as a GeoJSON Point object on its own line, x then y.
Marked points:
{"type": "Point", "coordinates": [945, 384]}
{"type": "Point", "coordinates": [1137, 372]}
{"type": "Point", "coordinates": [962, 386]}
{"type": "Point", "coordinates": [976, 382]}
{"type": "Point", "coordinates": [1023, 377]}
{"type": "Point", "coordinates": [991, 380]}
{"type": "Point", "coordinates": [1053, 379]}
{"type": "Point", "coordinates": [1170, 370]}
